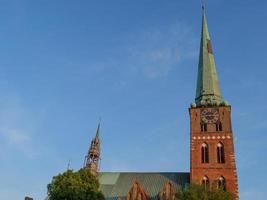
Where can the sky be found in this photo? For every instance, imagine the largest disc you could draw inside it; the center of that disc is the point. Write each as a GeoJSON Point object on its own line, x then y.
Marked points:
{"type": "Point", "coordinates": [65, 63]}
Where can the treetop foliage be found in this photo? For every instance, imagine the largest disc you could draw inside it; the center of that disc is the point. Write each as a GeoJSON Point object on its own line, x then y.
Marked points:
{"type": "Point", "coordinates": [80, 185]}
{"type": "Point", "coordinates": [198, 192]}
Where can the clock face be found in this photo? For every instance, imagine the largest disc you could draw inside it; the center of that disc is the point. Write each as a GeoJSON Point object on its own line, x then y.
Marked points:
{"type": "Point", "coordinates": [209, 115]}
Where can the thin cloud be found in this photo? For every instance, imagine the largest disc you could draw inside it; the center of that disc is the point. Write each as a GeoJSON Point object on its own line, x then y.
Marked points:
{"type": "Point", "coordinates": [152, 53]}
{"type": "Point", "coordinates": [15, 137]}
{"type": "Point", "coordinates": [15, 132]}
{"type": "Point", "coordinates": [156, 52]}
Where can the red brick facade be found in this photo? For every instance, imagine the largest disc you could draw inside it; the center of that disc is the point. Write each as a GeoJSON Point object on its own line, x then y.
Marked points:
{"type": "Point", "coordinates": [215, 166]}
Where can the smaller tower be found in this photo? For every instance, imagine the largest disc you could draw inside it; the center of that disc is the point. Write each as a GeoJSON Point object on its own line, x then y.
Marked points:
{"type": "Point", "coordinates": [92, 158]}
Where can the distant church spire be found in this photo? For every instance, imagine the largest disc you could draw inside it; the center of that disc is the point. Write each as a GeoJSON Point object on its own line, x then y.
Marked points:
{"type": "Point", "coordinates": [92, 158]}
{"type": "Point", "coordinates": [208, 90]}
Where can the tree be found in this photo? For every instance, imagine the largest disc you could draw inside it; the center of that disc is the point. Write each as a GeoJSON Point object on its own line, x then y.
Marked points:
{"type": "Point", "coordinates": [80, 185]}
{"type": "Point", "coordinates": [198, 192]}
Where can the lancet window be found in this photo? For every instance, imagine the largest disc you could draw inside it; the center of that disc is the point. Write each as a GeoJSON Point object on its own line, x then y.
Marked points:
{"type": "Point", "coordinates": [204, 127]}
{"type": "Point", "coordinates": [219, 126]}
{"type": "Point", "coordinates": [205, 182]}
{"type": "Point", "coordinates": [222, 183]}
{"type": "Point", "coordinates": [220, 153]}
{"type": "Point", "coordinates": [204, 153]}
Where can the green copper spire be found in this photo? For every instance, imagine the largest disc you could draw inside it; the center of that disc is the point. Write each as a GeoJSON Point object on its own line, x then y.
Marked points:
{"type": "Point", "coordinates": [208, 89]}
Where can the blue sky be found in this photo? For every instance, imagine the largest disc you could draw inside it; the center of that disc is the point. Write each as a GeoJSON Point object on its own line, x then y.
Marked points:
{"type": "Point", "coordinates": [65, 63]}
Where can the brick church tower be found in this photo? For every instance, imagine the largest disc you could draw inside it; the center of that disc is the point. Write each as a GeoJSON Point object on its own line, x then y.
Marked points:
{"type": "Point", "coordinates": [212, 158]}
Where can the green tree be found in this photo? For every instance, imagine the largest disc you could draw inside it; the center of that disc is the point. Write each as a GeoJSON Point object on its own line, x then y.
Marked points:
{"type": "Point", "coordinates": [80, 185]}
{"type": "Point", "coordinates": [198, 192]}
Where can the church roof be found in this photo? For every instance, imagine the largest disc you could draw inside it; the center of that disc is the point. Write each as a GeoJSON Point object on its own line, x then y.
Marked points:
{"type": "Point", "coordinates": [116, 184]}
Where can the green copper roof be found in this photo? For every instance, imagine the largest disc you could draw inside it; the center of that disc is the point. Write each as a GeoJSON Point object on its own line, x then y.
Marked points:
{"type": "Point", "coordinates": [208, 90]}
{"type": "Point", "coordinates": [115, 184]}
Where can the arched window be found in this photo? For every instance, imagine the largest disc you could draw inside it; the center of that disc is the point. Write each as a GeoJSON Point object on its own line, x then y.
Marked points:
{"type": "Point", "coordinates": [220, 153]}
{"type": "Point", "coordinates": [205, 182]}
{"type": "Point", "coordinates": [204, 127]}
{"type": "Point", "coordinates": [221, 183]}
{"type": "Point", "coordinates": [219, 126]}
{"type": "Point", "coordinates": [204, 153]}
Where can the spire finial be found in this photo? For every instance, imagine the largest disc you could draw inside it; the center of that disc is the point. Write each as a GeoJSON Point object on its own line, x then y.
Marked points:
{"type": "Point", "coordinates": [202, 6]}
{"type": "Point", "coordinates": [69, 165]}
{"type": "Point", "coordinates": [98, 127]}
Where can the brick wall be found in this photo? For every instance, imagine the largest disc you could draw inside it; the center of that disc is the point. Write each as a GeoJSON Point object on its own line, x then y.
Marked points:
{"type": "Point", "coordinates": [213, 170]}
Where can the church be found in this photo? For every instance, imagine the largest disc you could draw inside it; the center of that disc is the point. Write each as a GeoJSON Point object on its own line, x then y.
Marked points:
{"type": "Point", "coordinates": [212, 157]}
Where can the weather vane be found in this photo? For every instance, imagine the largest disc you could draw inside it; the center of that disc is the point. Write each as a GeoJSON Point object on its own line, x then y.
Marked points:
{"type": "Point", "coordinates": [202, 5]}
{"type": "Point", "coordinates": [69, 163]}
